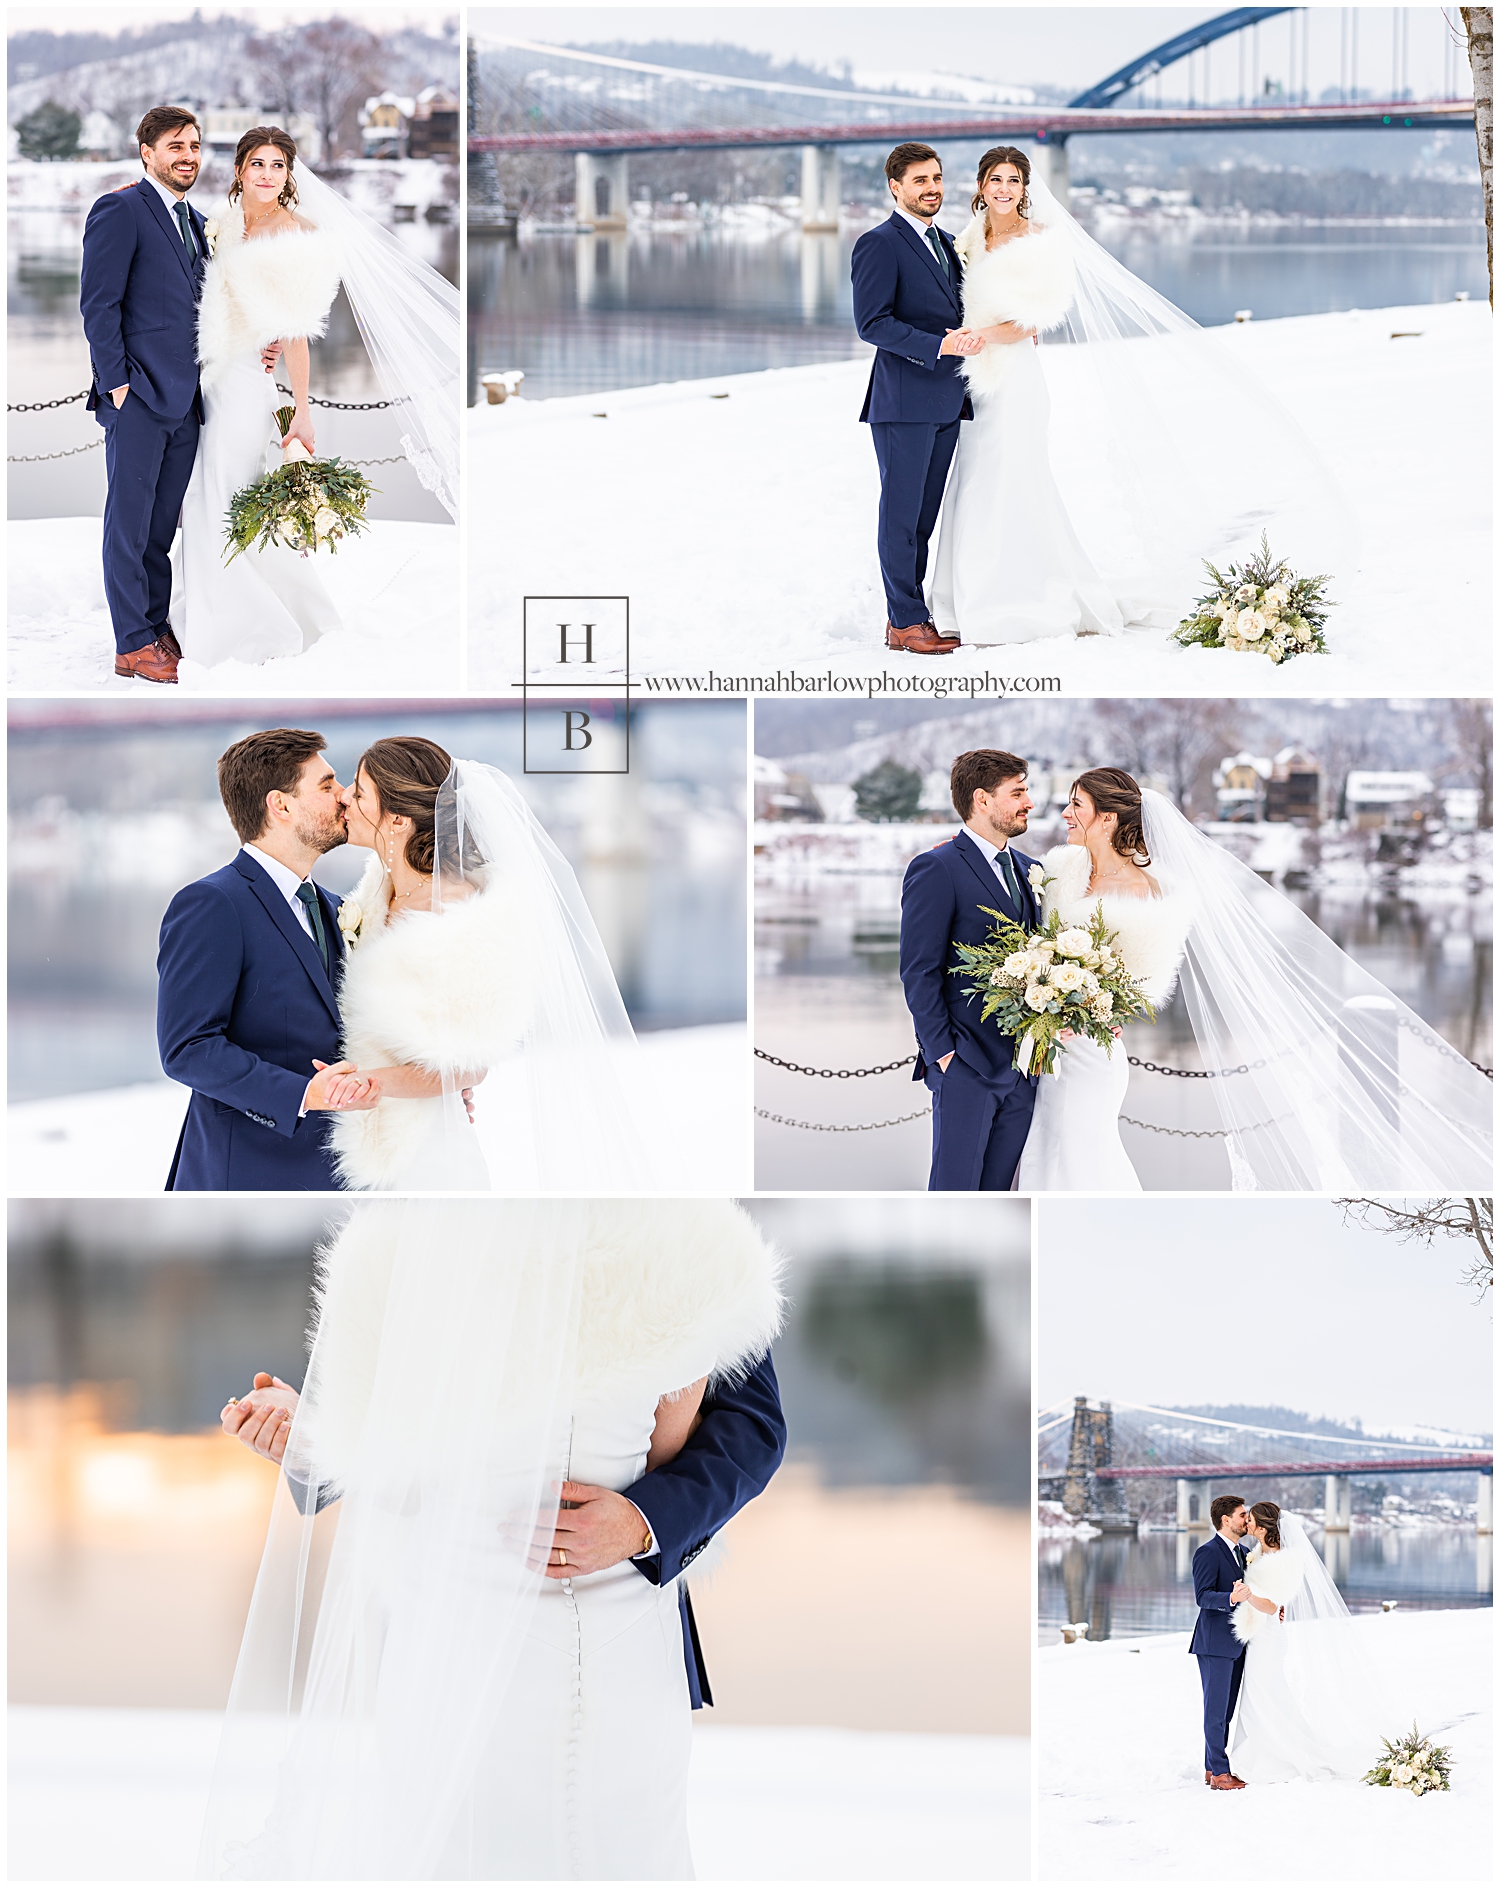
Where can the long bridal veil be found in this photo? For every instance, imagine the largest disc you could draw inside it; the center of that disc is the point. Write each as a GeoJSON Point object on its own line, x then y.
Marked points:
{"type": "Point", "coordinates": [572, 1107]}
{"type": "Point", "coordinates": [1324, 1081]}
{"type": "Point", "coordinates": [383, 1630]}
{"type": "Point", "coordinates": [1172, 428]}
{"type": "Point", "coordinates": [408, 318]}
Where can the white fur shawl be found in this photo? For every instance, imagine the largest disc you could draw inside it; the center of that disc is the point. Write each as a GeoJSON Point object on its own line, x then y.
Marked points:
{"type": "Point", "coordinates": [1030, 280]}
{"type": "Point", "coordinates": [1272, 1577]}
{"type": "Point", "coordinates": [1152, 931]}
{"type": "Point", "coordinates": [441, 991]}
{"type": "Point", "coordinates": [276, 288]}
{"type": "Point", "coordinates": [671, 1291]}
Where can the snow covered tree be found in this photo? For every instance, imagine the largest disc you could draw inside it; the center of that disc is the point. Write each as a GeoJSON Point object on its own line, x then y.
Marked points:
{"type": "Point", "coordinates": [888, 792]}
{"type": "Point", "coordinates": [1479, 27]}
{"type": "Point", "coordinates": [49, 133]}
{"type": "Point", "coordinates": [326, 69]}
{"type": "Point", "coordinates": [1465, 1217]}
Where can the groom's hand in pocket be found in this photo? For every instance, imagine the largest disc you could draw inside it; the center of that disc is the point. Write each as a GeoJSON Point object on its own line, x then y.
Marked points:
{"type": "Point", "coordinates": [117, 394]}
{"type": "Point", "coordinates": [944, 1060]}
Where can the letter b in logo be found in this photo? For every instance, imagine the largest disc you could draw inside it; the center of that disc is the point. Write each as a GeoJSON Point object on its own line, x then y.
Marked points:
{"type": "Point", "coordinates": [576, 730]}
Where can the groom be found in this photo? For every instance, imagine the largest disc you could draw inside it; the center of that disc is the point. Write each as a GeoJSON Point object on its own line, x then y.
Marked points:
{"type": "Point", "coordinates": [908, 305]}
{"type": "Point", "coordinates": [143, 257]}
{"type": "Point", "coordinates": [1218, 1587]}
{"type": "Point", "coordinates": [661, 1524]}
{"type": "Point", "coordinates": [981, 1105]}
{"type": "Point", "coordinates": [247, 1012]}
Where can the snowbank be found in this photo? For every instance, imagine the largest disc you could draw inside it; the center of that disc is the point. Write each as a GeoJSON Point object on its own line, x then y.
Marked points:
{"type": "Point", "coordinates": [119, 1141]}
{"type": "Point", "coordinates": [1120, 1777]}
{"type": "Point", "coordinates": [397, 588]}
{"type": "Point", "coordinates": [739, 516]}
{"type": "Point", "coordinates": [110, 1795]}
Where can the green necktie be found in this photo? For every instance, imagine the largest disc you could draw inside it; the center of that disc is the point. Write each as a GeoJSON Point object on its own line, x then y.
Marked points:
{"type": "Point", "coordinates": [184, 223]}
{"type": "Point", "coordinates": [937, 248]}
{"type": "Point", "coordinates": [315, 912]}
{"type": "Point", "coordinates": [1007, 873]}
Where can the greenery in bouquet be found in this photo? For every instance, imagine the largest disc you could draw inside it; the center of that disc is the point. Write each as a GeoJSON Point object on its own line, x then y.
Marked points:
{"type": "Point", "coordinates": [1260, 606]}
{"type": "Point", "coordinates": [306, 504]}
{"type": "Point", "coordinates": [1039, 984]}
{"type": "Point", "coordinates": [1412, 1763]}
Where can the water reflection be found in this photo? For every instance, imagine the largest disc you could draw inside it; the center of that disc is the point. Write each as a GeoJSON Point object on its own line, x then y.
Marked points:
{"type": "Point", "coordinates": [1128, 1586]}
{"type": "Point", "coordinates": [587, 313]}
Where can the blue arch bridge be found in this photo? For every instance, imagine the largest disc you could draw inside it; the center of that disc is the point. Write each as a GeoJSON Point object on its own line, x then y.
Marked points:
{"type": "Point", "coordinates": [711, 112]}
{"type": "Point", "coordinates": [1103, 1462]}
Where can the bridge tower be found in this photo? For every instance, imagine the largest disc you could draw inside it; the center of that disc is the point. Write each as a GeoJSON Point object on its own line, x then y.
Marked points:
{"type": "Point", "coordinates": [602, 189]}
{"type": "Point", "coordinates": [1077, 1491]}
{"type": "Point", "coordinates": [1091, 1446]}
{"type": "Point", "coordinates": [1049, 164]}
{"type": "Point", "coordinates": [1338, 1504]}
{"type": "Point", "coordinates": [1485, 1513]}
{"type": "Point", "coordinates": [820, 189]}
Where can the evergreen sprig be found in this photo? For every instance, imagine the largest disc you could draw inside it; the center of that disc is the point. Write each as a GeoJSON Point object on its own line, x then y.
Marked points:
{"type": "Point", "coordinates": [1261, 606]}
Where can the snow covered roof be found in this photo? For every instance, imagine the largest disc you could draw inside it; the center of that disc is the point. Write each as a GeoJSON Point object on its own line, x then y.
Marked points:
{"type": "Point", "coordinates": [1381, 789]}
{"type": "Point", "coordinates": [768, 773]}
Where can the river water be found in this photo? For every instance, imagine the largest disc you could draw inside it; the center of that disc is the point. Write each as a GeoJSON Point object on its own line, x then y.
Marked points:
{"type": "Point", "coordinates": [828, 994]}
{"type": "Point", "coordinates": [589, 313]}
{"type": "Point", "coordinates": [1127, 1586]}
{"type": "Point", "coordinates": [47, 358]}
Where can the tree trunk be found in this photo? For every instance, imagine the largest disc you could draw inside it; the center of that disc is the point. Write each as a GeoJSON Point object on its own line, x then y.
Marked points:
{"type": "Point", "coordinates": [1477, 24]}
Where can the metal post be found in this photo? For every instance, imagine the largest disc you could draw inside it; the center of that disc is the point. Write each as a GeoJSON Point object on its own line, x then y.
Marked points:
{"type": "Point", "coordinates": [1486, 1508]}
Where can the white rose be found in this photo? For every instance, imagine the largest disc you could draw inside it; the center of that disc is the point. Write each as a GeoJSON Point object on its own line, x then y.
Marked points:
{"type": "Point", "coordinates": [211, 233]}
{"type": "Point", "coordinates": [351, 917]}
{"type": "Point", "coordinates": [1036, 877]}
{"type": "Point", "coordinates": [1017, 965]}
{"type": "Point", "coordinates": [1073, 942]}
{"type": "Point", "coordinates": [1067, 977]}
{"type": "Point", "coordinates": [1245, 593]}
{"type": "Point", "coordinates": [1101, 1007]}
{"type": "Point", "coordinates": [1043, 951]}
{"type": "Point", "coordinates": [1401, 1773]}
{"type": "Point", "coordinates": [1275, 652]}
{"type": "Point", "coordinates": [1090, 982]}
{"type": "Point", "coordinates": [1302, 632]}
{"type": "Point", "coordinates": [1252, 625]}
{"type": "Point", "coordinates": [1279, 595]}
{"type": "Point", "coordinates": [1231, 617]}
{"type": "Point", "coordinates": [1094, 959]}
{"type": "Point", "coordinates": [1038, 996]}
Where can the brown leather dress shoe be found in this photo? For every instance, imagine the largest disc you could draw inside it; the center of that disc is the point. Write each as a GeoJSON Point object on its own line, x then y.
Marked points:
{"type": "Point", "coordinates": [920, 639]}
{"type": "Point", "coordinates": [1225, 1783]}
{"type": "Point", "coordinates": [153, 663]}
{"type": "Point", "coordinates": [170, 643]}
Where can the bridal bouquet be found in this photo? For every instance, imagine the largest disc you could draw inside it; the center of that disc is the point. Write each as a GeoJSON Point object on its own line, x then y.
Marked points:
{"type": "Point", "coordinates": [305, 503]}
{"type": "Point", "coordinates": [1260, 606]}
{"type": "Point", "coordinates": [1412, 1763]}
{"type": "Point", "coordinates": [1036, 984]}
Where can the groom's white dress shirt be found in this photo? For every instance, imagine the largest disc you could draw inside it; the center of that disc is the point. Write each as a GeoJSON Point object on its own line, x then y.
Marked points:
{"type": "Point", "coordinates": [917, 224]}
{"type": "Point", "coordinates": [286, 882]}
{"type": "Point", "coordinates": [992, 852]}
{"type": "Point", "coordinates": [168, 197]}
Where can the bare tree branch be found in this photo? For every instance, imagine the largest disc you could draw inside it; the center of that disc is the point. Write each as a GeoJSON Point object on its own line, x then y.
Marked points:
{"type": "Point", "coordinates": [1464, 1217]}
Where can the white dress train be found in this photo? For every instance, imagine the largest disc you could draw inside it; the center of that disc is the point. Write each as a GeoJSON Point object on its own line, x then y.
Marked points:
{"type": "Point", "coordinates": [1009, 565]}
{"type": "Point", "coordinates": [1074, 1142]}
{"type": "Point", "coordinates": [269, 602]}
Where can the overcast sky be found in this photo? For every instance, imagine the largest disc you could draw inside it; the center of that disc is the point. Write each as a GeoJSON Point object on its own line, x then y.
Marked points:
{"type": "Point", "coordinates": [1242, 1300]}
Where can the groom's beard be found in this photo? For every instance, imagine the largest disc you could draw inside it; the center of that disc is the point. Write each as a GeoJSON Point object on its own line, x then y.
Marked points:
{"type": "Point", "coordinates": [324, 838]}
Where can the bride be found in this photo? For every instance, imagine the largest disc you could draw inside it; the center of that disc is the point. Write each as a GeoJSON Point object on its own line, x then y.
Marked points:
{"type": "Point", "coordinates": [1317, 1079]}
{"type": "Point", "coordinates": [1180, 454]}
{"type": "Point", "coordinates": [278, 254]}
{"type": "Point", "coordinates": [422, 1691]}
{"type": "Point", "coordinates": [1306, 1704]}
{"type": "Point", "coordinates": [473, 964]}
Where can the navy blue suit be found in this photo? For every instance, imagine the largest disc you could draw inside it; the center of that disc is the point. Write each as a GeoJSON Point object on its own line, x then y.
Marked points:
{"type": "Point", "coordinates": [904, 304]}
{"type": "Point", "coordinates": [981, 1105]}
{"type": "Point", "coordinates": [139, 301]}
{"type": "Point", "coordinates": [1221, 1657]}
{"type": "Point", "coordinates": [727, 1461]}
{"type": "Point", "coordinates": [242, 1008]}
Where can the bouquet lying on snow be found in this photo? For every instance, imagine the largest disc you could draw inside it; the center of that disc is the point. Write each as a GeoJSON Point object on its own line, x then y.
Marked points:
{"type": "Point", "coordinates": [1260, 606]}
{"type": "Point", "coordinates": [306, 504]}
{"type": "Point", "coordinates": [1036, 984]}
{"type": "Point", "coordinates": [1412, 1763]}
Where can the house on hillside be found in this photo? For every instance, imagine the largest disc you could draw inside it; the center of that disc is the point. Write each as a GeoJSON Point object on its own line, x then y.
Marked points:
{"type": "Point", "coordinates": [782, 795]}
{"type": "Point", "coordinates": [385, 125]}
{"type": "Point", "coordinates": [1294, 792]}
{"type": "Point", "coordinates": [433, 129]}
{"type": "Point", "coordinates": [224, 126]}
{"type": "Point", "coordinates": [1384, 802]}
{"type": "Point", "coordinates": [1240, 787]}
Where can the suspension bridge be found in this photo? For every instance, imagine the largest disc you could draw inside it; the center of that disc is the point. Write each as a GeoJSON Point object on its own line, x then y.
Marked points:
{"type": "Point", "coordinates": [599, 110]}
{"type": "Point", "coordinates": [1114, 1448]}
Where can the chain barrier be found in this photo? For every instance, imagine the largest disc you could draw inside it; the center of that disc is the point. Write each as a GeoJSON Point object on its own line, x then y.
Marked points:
{"type": "Point", "coordinates": [828, 1074]}
{"type": "Point", "coordinates": [42, 406]}
{"type": "Point", "coordinates": [1427, 1036]}
{"type": "Point", "coordinates": [848, 1127]}
{"type": "Point", "coordinates": [37, 458]}
{"type": "Point", "coordinates": [1201, 1075]}
{"type": "Point", "coordinates": [337, 406]}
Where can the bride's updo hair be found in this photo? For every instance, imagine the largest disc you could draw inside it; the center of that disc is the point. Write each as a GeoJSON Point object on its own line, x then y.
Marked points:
{"type": "Point", "coordinates": [252, 141]}
{"type": "Point", "coordinates": [408, 773]}
{"type": "Point", "coordinates": [1003, 154]}
{"type": "Point", "coordinates": [1114, 791]}
{"type": "Point", "coordinates": [1268, 1516]}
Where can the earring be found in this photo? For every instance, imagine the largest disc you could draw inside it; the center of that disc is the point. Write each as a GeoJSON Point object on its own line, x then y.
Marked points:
{"type": "Point", "coordinates": [390, 854]}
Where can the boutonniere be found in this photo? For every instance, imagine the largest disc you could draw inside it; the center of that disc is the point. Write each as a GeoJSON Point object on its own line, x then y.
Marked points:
{"type": "Point", "coordinates": [351, 917]}
{"type": "Point", "coordinates": [1037, 878]}
{"type": "Point", "coordinates": [211, 234]}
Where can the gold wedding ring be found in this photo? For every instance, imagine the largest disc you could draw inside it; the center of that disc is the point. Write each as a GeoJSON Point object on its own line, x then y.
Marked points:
{"type": "Point", "coordinates": [562, 1557]}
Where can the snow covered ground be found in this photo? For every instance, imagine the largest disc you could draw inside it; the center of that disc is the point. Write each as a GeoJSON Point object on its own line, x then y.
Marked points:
{"type": "Point", "coordinates": [119, 1141]}
{"type": "Point", "coordinates": [1120, 1778]}
{"type": "Point", "coordinates": [397, 589]}
{"type": "Point", "coordinates": [739, 516]}
{"type": "Point", "coordinates": [111, 1795]}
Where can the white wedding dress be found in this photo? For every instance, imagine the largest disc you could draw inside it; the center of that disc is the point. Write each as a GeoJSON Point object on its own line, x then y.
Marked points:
{"type": "Point", "coordinates": [1305, 1706]}
{"type": "Point", "coordinates": [524, 1728]}
{"type": "Point", "coordinates": [1009, 565]}
{"type": "Point", "coordinates": [272, 601]}
{"type": "Point", "coordinates": [1074, 1142]}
